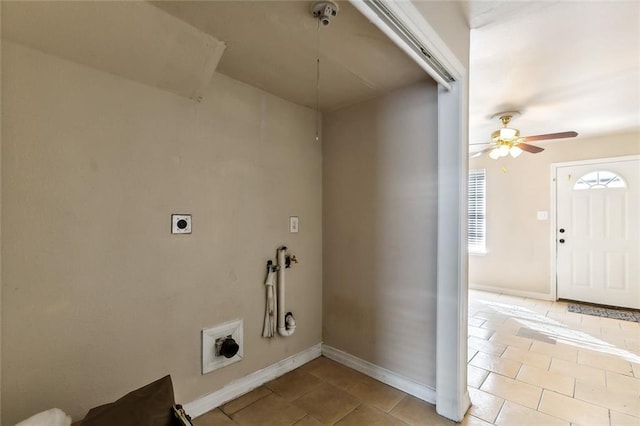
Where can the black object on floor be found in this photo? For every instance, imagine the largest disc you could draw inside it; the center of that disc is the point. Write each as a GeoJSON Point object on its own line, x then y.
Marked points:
{"type": "Point", "coordinates": [604, 311]}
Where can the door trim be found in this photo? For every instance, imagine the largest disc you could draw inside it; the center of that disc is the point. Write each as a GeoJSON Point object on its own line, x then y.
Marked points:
{"type": "Point", "coordinates": [553, 285]}
{"type": "Point", "coordinates": [452, 396]}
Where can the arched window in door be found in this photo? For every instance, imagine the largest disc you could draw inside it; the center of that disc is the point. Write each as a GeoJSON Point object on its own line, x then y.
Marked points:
{"type": "Point", "coordinates": [598, 180]}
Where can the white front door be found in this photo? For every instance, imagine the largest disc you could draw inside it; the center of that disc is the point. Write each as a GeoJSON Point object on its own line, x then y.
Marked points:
{"type": "Point", "coordinates": [597, 232]}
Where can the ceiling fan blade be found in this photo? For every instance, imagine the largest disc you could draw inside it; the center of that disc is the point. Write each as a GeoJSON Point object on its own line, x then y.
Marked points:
{"type": "Point", "coordinates": [529, 148]}
{"type": "Point", "coordinates": [561, 135]}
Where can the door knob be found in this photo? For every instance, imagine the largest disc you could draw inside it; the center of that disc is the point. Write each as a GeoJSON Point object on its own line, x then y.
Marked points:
{"type": "Point", "coordinates": [561, 240]}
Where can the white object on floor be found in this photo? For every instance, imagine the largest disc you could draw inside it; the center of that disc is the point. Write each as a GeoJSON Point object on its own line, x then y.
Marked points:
{"type": "Point", "coordinates": [52, 417]}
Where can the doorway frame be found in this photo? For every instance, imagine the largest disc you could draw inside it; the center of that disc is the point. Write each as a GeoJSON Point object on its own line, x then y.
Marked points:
{"type": "Point", "coordinates": [452, 396]}
{"type": "Point", "coordinates": [553, 285]}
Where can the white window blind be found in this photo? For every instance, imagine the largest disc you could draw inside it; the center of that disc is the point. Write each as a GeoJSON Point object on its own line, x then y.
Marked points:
{"type": "Point", "coordinates": [476, 216]}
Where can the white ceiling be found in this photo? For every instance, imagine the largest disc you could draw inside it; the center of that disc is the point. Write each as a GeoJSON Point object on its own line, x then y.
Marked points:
{"type": "Point", "coordinates": [564, 65]}
{"type": "Point", "coordinates": [130, 39]}
{"type": "Point", "coordinates": [273, 45]}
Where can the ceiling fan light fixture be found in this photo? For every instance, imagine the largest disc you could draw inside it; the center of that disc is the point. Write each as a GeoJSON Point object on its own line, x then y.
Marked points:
{"type": "Point", "coordinates": [508, 134]}
{"type": "Point", "coordinates": [507, 141]}
{"type": "Point", "coordinates": [494, 154]}
{"type": "Point", "coordinates": [514, 151]}
{"type": "Point", "coordinates": [505, 134]}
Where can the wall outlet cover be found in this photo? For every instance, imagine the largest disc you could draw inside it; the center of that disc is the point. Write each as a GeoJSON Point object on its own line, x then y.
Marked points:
{"type": "Point", "coordinates": [180, 223]}
{"type": "Point", "coordinates": [212, 362]}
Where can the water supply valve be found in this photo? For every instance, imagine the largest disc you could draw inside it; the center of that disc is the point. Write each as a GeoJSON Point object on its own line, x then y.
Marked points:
{"type": "Point", "coordinates": [288, 259]}
{"type": "Point", "coordinates": [226, 347]}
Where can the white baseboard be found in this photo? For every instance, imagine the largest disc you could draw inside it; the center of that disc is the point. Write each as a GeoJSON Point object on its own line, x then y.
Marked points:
{"type": "Point", "coordinates": [381, 374]}
{"type": "Point", "coordinates": [247, 383]}
{"type": "Point", "coordinates": [511, 292]}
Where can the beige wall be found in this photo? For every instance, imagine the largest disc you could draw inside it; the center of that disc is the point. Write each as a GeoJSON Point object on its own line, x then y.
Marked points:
{"type": "Point", "coordinates": [379, 249]}
{"type": "Point", "coordinates": [519, 245]}
{"type": "Point", "coordinates": [98, 297]}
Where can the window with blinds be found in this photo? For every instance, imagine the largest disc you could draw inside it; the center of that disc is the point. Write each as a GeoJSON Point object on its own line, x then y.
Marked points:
{"type": "Point", "coordinates": [476, 215]}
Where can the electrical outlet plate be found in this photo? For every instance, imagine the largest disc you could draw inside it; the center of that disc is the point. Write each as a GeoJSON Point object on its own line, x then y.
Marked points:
{"type": "Point", "coordinates": [180, 223]}
{"type": "Point", "coordinates": [212, 362]}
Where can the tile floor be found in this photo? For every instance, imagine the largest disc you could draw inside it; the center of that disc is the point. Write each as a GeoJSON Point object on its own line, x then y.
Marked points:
{"type": "Point", "coordinates": [530, 363]}
{"type": "Point", "coordinates": [324, 392]}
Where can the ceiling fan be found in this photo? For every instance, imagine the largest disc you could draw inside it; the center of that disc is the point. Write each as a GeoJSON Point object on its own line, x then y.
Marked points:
{"type": "Point", "coordinates": [507, 141]}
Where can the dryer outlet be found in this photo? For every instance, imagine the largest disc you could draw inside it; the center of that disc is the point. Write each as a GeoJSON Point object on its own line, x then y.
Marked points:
{"type": "Point", "coordinates": [211, 359]}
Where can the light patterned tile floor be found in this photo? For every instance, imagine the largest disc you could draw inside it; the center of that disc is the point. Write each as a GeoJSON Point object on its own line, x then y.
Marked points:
{"type": "Point", "coordinates": [530, 363]}
{"type": "Point", "coordinates": [551, 366]}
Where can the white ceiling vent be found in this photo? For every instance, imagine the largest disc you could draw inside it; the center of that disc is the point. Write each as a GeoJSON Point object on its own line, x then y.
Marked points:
{"type": "Point", "coordinates": [134, 40]}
